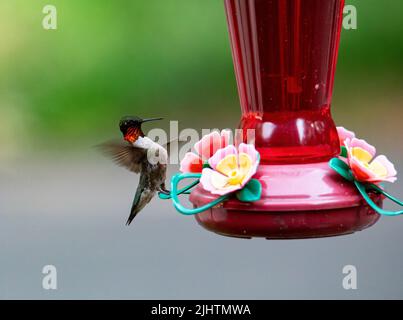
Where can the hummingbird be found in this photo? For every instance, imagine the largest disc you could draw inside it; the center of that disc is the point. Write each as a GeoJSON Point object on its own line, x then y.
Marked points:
{"type": "Point", "coordinates": [143, 156]}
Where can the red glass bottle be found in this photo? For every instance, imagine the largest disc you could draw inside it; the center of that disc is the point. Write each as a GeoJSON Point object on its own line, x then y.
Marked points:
{"type": "Point", "coordinates": [285, 54]}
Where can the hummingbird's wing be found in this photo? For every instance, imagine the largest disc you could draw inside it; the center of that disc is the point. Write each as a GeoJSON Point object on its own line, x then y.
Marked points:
{"type": "Point", "coordinates": [124, 154]}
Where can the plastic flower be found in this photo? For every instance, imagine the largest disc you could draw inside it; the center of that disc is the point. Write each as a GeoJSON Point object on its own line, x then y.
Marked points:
{"type": "Point", "coordinates": [344, 134]}
{"type": "Point", "coordinates": [205, 149]}
{"type": "Point", "coordinates": [231, 169]}
{"type": "Point", "coordinates": [366, 168]}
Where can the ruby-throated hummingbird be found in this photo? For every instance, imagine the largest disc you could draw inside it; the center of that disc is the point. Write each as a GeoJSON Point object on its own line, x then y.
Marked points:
{"type": "Point", "coordinates": [141, 155]}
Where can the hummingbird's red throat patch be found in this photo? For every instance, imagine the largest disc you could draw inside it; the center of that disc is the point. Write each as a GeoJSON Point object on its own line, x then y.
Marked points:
{"type": "Point", "coordinates": [133, 134]}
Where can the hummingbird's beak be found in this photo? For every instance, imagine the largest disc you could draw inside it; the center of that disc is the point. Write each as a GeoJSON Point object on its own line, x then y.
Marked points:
{"type": "Point", "coordinates": [151, 119]}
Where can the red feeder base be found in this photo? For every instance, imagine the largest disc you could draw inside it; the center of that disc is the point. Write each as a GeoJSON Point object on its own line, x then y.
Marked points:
{"type": "Point", "coordinates": [287, 225]}
{"type": "Point", "coordinates": [298, 201]}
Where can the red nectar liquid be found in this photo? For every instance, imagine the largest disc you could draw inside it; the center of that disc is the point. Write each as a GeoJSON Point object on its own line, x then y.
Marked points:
{"type": "Point", "coordinates": [285, 54]}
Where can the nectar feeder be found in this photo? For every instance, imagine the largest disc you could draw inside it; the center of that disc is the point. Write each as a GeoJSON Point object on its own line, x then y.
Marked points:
{"type": "Point", "coordinates": [285, 54]}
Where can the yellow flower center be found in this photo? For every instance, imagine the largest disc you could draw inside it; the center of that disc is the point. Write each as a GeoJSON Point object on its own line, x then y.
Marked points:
{"type": "Point", "coordinates": [362, 155]}
{"type": "Point", "coordinates": [234, 168]}
{"type": "Point", "coordinates": [365, 157]}
{"type": "Point", "coordinates": [235, 177]}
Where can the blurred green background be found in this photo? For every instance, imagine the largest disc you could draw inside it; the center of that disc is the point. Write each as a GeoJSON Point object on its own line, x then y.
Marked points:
{"type": "Point", "coordinates": [68, 87]}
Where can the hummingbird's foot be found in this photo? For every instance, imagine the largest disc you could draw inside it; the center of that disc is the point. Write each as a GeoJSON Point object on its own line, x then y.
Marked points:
{"type": "Point", "coordinates": [164, 190]}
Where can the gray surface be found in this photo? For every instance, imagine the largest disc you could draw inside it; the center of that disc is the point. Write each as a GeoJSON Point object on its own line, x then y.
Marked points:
{"type": "Point", "coordinates": [71, 214]}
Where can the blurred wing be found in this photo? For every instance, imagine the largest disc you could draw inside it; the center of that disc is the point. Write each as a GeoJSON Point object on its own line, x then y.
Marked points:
{"type": "Point", "coordinates": [124, 154]}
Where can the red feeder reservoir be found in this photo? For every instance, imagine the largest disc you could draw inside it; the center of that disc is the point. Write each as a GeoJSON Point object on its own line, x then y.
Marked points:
{"type": "Point", "coordinates": [285, 54]}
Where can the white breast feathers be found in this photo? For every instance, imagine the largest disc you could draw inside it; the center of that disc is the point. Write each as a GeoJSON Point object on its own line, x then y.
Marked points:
{"type": "Point", "coordinates": [155, 152]}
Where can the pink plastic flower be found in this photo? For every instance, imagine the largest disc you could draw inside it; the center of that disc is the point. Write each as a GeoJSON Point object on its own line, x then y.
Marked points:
{"type": "Point", "coordinates": [205, 149]}
{"type": "Point", "coordinates": [363, 165]}
{"type": "Point", "coordinates": [232, 169]}
{"type": "Point", "coordinates": [344, 134]}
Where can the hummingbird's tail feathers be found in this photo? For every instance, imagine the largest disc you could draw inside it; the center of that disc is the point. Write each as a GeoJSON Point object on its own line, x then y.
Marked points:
{"type": "Point", "coordinates": [141, 199]}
